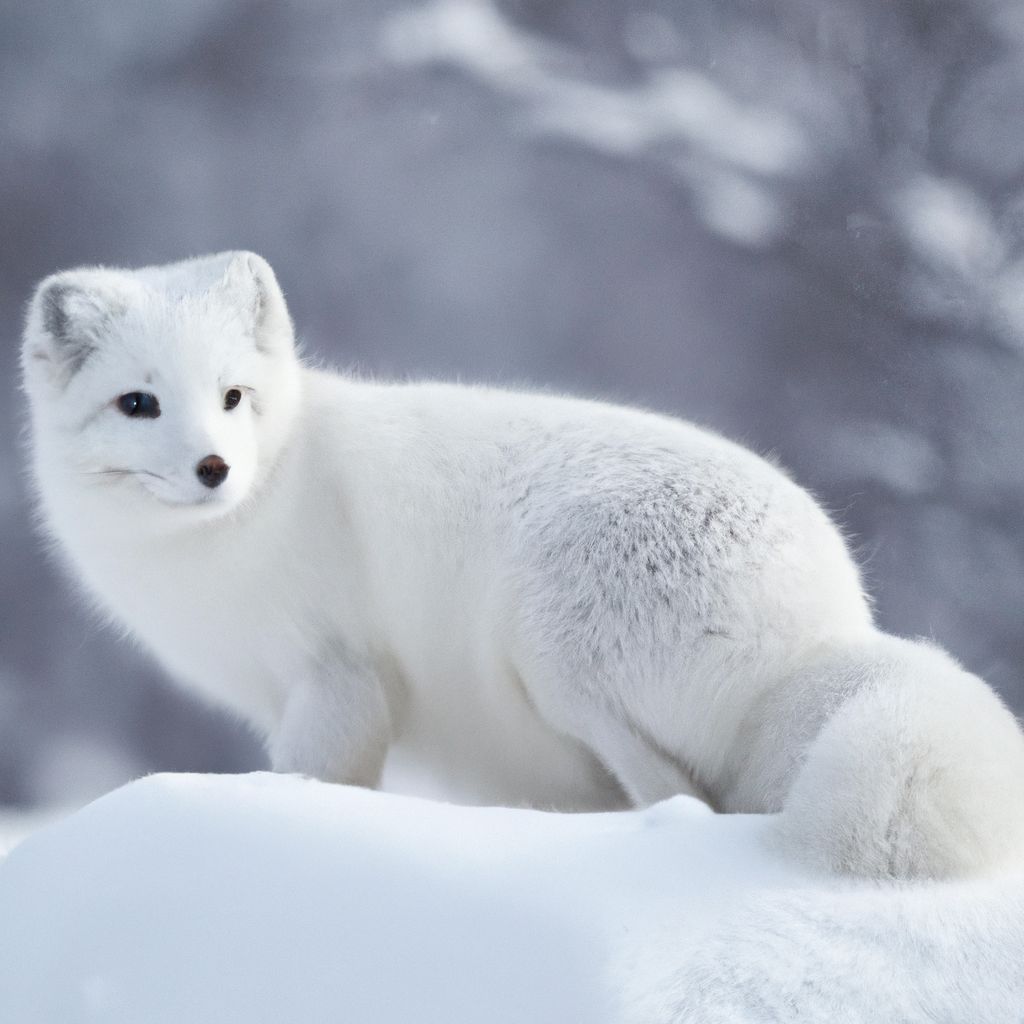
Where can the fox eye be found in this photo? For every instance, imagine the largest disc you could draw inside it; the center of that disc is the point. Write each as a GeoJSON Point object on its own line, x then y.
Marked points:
{"type": "Point", "coordinates": [139, 403]}
{"type": "Point", "coordinates": [232, 397]}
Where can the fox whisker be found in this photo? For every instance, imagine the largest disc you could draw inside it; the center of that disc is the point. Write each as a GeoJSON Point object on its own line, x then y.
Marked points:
{"type": "Point", "coordinates": [120, 474]}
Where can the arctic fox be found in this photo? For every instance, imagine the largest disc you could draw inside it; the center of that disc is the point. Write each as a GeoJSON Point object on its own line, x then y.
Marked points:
{"type": "Point", "coordinates": [550, 601]}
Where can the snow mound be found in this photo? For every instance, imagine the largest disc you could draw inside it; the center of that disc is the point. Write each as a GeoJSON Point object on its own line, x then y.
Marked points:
{"type": "Point", "coordinates": [273, 898]}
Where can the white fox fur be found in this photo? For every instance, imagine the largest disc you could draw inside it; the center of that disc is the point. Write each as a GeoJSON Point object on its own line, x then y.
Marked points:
{"type": "Point", "coordinates": [549, 601]}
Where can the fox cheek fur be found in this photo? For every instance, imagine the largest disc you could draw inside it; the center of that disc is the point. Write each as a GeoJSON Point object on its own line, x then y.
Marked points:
{"type": "Point", "coordinates": [540, 600]}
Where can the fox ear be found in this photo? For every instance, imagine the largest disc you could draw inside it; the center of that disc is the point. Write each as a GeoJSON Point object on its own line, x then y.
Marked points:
{"type": "Point", "coordinates": [66, 319]}
{"type": "Point", "coordinates": [250, 282]}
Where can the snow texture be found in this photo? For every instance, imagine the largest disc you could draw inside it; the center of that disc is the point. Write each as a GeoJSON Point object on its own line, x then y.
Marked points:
{"type": "Point", "coordinates": [275, 898]}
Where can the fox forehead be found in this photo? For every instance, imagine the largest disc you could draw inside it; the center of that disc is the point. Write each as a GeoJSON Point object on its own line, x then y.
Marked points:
{"type": "Point", "coordinates": [193, 332]}
{"type": "Point", "coordinates": [158, 334]}
{"type": "Point", "coordinates": [197, 318]}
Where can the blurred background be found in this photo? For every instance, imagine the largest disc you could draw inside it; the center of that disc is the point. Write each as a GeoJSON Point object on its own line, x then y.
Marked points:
{"type": "Point", "coordinates": [800, 222]}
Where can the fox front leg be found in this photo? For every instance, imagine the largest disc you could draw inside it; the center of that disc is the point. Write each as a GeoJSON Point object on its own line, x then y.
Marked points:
{"type": "Point", "coordinates": [336, 727]}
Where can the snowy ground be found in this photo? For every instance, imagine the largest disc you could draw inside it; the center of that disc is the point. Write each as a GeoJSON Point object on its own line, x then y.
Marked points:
{"type": "Point", "coordinates": [268, 898]}
{"type": "Point", "coordinates": [17, 825]}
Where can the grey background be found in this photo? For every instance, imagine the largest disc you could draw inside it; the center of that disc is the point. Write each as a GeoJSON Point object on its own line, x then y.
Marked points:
{"type": "Point", "coordinates": [798, 221]}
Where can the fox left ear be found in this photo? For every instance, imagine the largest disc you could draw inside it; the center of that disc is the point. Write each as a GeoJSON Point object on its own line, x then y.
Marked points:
{"type": "Point", "coordinates": [249, 280]}
{"type": "Point", "coordinates": [66, 320]}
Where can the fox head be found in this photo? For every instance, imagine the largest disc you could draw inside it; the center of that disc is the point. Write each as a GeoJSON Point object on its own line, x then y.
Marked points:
{"type": "Point", "coordinates": [167, 391]}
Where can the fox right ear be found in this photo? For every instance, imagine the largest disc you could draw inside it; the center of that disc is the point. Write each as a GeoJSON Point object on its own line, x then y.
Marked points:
{"type": "Point", "coordinates": [250, 284]}
{"type": "Point", "coordinates": [65, 319]}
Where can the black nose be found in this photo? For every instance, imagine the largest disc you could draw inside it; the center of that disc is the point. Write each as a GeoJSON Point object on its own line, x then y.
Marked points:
{"type": "Point", "coordinates": [212, 471]}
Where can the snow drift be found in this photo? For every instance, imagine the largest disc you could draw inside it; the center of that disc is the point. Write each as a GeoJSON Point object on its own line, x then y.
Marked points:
{"type": "Point", "coordinates": [274, 898]}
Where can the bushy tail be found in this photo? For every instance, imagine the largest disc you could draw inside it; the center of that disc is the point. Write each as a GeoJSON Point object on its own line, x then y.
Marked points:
{"type": "Point", "coordinates": [919, 774]}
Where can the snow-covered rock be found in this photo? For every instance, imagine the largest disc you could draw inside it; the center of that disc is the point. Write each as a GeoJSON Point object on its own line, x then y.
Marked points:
{"type": "Point", "coordinates": [267, 898]}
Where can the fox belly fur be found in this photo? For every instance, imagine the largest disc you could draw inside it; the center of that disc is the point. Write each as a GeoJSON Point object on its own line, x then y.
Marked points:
{"type": "Point", "coordinates": [546, 600]}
